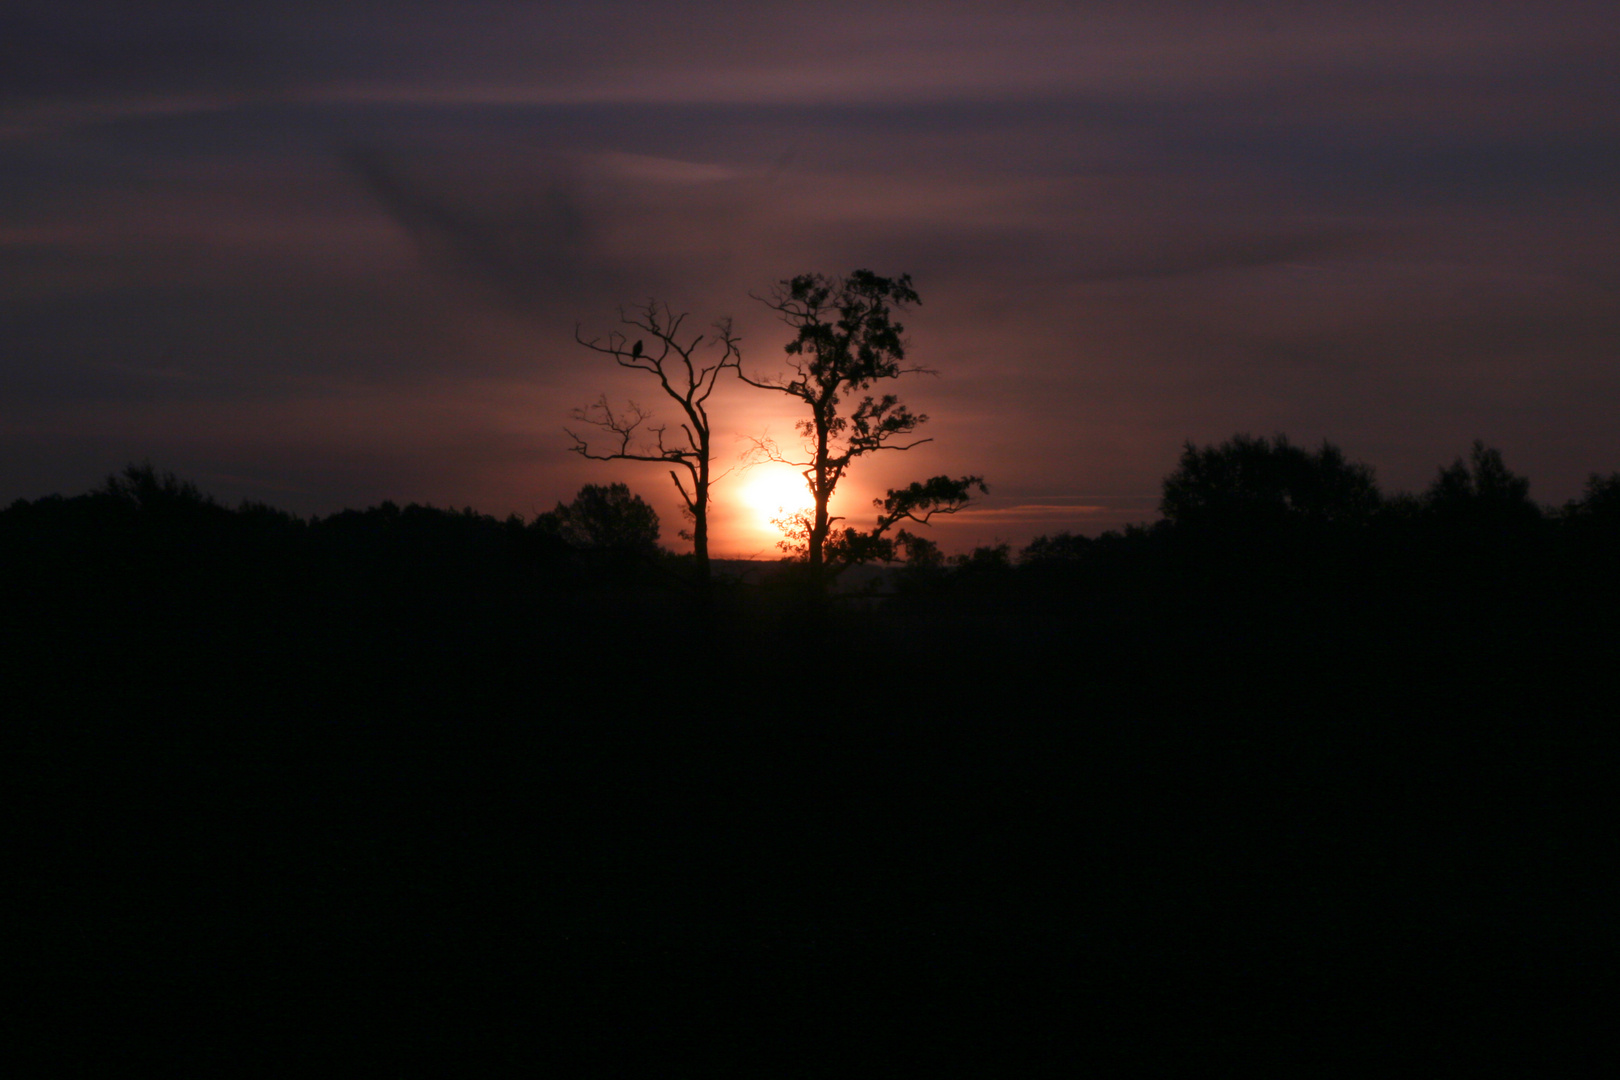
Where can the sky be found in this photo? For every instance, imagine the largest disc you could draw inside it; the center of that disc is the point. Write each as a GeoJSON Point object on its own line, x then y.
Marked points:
{"type": "Point", "coordinates": [325, 254]}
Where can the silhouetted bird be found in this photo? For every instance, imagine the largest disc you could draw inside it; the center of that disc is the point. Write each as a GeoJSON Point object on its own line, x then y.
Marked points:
{"type": "Point", "coordinates": [635, 350]}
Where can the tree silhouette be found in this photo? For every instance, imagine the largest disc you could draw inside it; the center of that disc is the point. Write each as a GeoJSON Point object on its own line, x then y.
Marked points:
{"type": "Point", "coordinates": [1481, 505]}
{"type": "Point", "coordinates": [1248, 483]}
{"type": "Point", "coordinates": [685, 379]}
{"type": "Point", "coordinates": [918, 502]}
{"type": "Point", "coordinates": [845, 341]}
{"type": "Point", "coordinates": [149, 490]}
{"type": "Point", "coordinates": [1599, 504]}
{"type": "Point", "coordinates": [1481, 488]}
{"type": "Point", "coordinates": [606, 519]}
{"type": "Point", "coordinates": [1062, 550]}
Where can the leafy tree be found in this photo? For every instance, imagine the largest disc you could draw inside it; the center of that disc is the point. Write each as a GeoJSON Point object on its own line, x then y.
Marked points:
{"type": "Point", "coordinates": [1064, 549]}
{"type": "Point", "coordinates": [918, 502]}
{"type": "Point", "coordinates": [1480, 490]}
{"type": "Point", "coordinates": [1482, 504]}
{"type": "Point", "coordinates": [604, 518]}
{"type": "Point", "coordinates": [984, 559]}
{"type": "Point", "coordinates": [685, 378]}
{"type": "Point", "coordinates": [158, 514]}
{"type": "Point", "coordinates": [1593, 524]}
{"type": "Point", "coordinates": [1247, 483]}
{"type": "Point", "coordinates": [150, 490]}
{"type": "Point", "coordinates": [1599, 505]}
{"type": "Point", "coordinates": [846, 340]}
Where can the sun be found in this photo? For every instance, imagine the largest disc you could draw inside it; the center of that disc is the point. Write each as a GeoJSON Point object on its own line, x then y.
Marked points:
{"type": "Point", "coordinates": [770, 488]}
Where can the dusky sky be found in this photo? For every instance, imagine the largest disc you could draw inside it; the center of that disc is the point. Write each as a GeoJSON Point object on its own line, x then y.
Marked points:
{"type": "Point", "coordinates": [326, 254]}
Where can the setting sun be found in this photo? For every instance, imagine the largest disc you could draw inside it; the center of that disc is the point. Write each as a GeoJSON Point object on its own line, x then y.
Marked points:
{"type": "Point", "coordinates": [770, 488]}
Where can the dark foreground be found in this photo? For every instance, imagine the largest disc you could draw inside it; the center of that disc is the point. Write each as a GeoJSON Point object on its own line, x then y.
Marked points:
{"type": "Point", "coordinates": [518, 796]}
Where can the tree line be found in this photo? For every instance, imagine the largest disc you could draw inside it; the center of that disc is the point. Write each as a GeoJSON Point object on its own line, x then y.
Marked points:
{"type": "Point", "coordinates": [1260, 501]}
{"type": "Point", "coordinates": [1252, 514]}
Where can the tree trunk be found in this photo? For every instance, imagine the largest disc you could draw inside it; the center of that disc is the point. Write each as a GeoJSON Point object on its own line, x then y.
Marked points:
{"type": "Point", "coordinates": [819, 527]}
{"type": "Point", "coordinates": [700, 534]}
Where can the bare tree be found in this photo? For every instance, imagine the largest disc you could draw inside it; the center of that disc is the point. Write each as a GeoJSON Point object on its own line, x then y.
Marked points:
{"type": "Point", "coordinates": [686, 378]}
{"type": "Point", "coordinates": [845, 341]}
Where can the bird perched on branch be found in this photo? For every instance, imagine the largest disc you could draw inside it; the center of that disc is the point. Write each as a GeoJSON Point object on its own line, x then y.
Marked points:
{"type": "Point", "coordinates": [635, 350]}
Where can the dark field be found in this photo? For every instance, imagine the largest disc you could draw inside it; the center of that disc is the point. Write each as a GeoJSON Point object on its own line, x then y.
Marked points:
{"type": "Point", "coordinates": [244, 764]}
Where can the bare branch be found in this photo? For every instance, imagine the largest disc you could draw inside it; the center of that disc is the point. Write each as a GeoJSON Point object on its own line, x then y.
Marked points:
{"type": "Point", "coordinates": [687, 368]}
{"type": "Point", "coordinates": [765, 450]}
